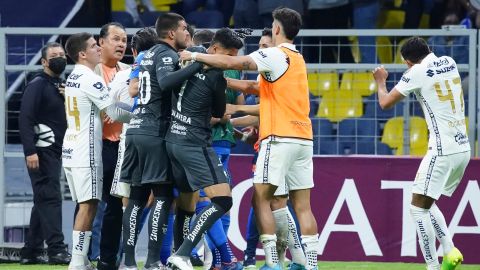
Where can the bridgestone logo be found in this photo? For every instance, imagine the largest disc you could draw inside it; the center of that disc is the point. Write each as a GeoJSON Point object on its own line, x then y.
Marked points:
{"type": "Point", "coordinates": [425, 241]}
{"type": "Point", "coordinates": [133, 226]}
{"type": "Point", "coordinates": [201, 220]}
{"type": "Point", "coordinates": [156, 216]}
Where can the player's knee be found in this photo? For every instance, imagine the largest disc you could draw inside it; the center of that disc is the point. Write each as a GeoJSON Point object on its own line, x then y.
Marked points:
{"type": "Point", "coordinates": [225, 202]}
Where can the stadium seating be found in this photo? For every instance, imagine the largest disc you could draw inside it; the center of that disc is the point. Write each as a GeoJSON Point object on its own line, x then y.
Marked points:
{"type": "Point", "coordinates": [338, 105]}
{"type": "Point", "coordinates": [362, 83]}
{"type": "Point", "coordinates": [398, 55]}
{"type": "Point", "coordinates": [393, 135]}
{"type": "Point", "coordinates": [205, 19]}
{"type": "Point", "coordinates": [319, 83]}
{"type": "Point", "coordinates": [384, 50]}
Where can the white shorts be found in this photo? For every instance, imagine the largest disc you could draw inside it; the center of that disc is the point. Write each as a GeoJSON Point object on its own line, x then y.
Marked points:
{"type": "Point", "coordinates": [85, 183]}
{"type": "Point", "coordinates": [289, 166]}
{"type": "Point", "coordinates": [439, 175]}
{"type": "Point", "coordinates": [120, 189]}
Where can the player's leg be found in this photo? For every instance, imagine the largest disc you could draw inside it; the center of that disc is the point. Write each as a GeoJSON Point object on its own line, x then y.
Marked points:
{"type": "Point", "coordinates": [163, 197]}
{"type": "Point", "coordinates": [86, 188]}
{"type": "Point", "coordinates": [427, 187]}
{"type": "Point", "coordinates": [131, 221]}
{"type": "Point", "coordinates": [300, 183]}
{"type": "Point", "coordinates": [270, 171]}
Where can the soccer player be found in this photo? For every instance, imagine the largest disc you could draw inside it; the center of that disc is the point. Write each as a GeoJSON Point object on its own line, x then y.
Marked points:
{"type": "Point", "coordinates": [286, 229]}
{"type": "Point", "coordinates": [285, 127]}
{"type": "Point", "coordinates": [85, 97]}
{"type": "Point", "coordinates": [195, 164]}
{"type": "Point", "coordinates": [436, 83]}
{"type": "Point", "coordinates": [146, 164]}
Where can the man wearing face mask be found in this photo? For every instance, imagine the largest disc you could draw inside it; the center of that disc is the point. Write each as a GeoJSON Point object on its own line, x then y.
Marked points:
{"type": "Point", "coordinates": [42, 124]}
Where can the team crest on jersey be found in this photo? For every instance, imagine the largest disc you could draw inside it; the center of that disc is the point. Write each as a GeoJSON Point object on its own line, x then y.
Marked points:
{"type": "Point", "coordinates": [98, 85]}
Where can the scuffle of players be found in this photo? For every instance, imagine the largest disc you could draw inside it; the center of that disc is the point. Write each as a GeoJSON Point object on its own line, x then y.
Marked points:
{"type": "Point", "coordinates": [176, 103]}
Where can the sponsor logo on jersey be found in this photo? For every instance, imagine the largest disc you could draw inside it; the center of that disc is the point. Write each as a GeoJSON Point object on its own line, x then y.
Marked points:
{"type": "Point", "coordinates": [98, 85]}
{"type": "Point", "coordinates": [181, 117]}
{"type": "Point", "coordinates": [177, 128]}
{"type": "Point", "coordinates": [73, 84]}
{"type": "Point", "coordinates": [461, 138]}
{"type": "Point", "coordinates": [200, 76]}
{"type": "Point", "coordinates": [75, 76]}
{"type": "Point", "coordinates": [405, 79]}
{"type": "Point", "coordinates": [262, 54]}
{"type": "Point", "coordinates": [440, 62]}
{"type": "Point", "coordinates": [457, 123]}
{"type": "Point", "coordinates": [445, 69]}
{"type": "Point", "coordinates": [149, 54]}
{"type": "Point", "coordinates": [146, 62]}
{"type": "Point", "coordinates": [167, 60]}
{"type": "Point", "coordinates": [430, 73]}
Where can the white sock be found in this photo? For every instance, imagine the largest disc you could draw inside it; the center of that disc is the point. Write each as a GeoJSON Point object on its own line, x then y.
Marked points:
{"type": "Point", "coordinates": [281, 225]}
{"type": "Point", "coordinates": [441, 229]}
{"type": "Point", "coordinates": [294, 244]}
{"type": "Point", "coordinates": [269, 242]}
{"type": "Point", "coordinates": [426, 235]}
{"type": "Point", "coordinates": [310, 244]}
{"type": "Point", "coordinates": [80, 245]}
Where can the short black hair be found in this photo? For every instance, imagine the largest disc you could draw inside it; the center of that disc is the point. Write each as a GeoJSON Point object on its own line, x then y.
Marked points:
{"type": "Point", "coordinates": [191, 30]}
{"type": "Point", "coordinates": [267, 32]}
{"type": "Point", "coordinates": [290, 20]}
{"type": "Point", "coordinates": [415, 49]}
{"type": "Point", "coordinates": [48, 46]}
{"type": "Point", "coordinates": [77, 43]}
{"type": "Point", "coordinates": [203, 37]}
{"type": "Point", "coordinates": [227, 39]}
{"type": "Point", "coordinates": [104, 31]}
{"type": "Point", "coordinates": [144, 39]}
{"type": "Point", "coordinates": [167, 22]}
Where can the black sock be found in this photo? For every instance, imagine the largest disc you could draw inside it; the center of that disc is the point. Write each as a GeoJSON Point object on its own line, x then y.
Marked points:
{"type": "Point", "coordinates": [181, 227]}
{"type": "Point", "coordinates": [204, 220]}
{"type": "Point", "coordinates": [131, 220]}
{"type": "Point", "coordinates": [157, 226]}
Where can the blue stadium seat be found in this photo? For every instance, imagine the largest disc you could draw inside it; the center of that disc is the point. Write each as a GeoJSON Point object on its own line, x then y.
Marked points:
{"type": "Point", "coordinates": [368, 148]}
{"type": "Point", "coordinates": [124, 18]}
{"type": "Point", "coordinates": [206, 19]}
{"type": "Point", "coordinates": [353, 132]}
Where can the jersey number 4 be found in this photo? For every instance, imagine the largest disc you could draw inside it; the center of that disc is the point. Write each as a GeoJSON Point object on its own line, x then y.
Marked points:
{"type": "Point", "coordinates": [449, 96]}
{"type": "Point", "coordinates": [72, 109]}
{"type": "Point", "coordinates": [145, 90]}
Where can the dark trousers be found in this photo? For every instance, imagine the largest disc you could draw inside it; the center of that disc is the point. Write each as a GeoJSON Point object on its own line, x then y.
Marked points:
{"type": "Point", "coordinates": [46, 216]}
{"type": "Point", "coordinates": [112, 218]}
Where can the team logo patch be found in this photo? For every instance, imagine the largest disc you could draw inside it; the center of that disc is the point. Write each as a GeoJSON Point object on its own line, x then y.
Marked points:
{"type": "Point", "coordinates": [98, 85]}
{"type": "Point", "coordinates": [167, 60]}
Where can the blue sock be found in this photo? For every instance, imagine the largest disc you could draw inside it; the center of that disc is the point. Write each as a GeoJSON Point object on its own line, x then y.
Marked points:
{"type": "Point", "coordinates": [165, 252]}
{"type": "Point", "coordinates": [226, 223]}
{"type": "Point", "coordinates": [252, 236]}
{"type": "Point", "coordinates": [218, 237]}
{"type": "Point", "coordinates": [200, 205]}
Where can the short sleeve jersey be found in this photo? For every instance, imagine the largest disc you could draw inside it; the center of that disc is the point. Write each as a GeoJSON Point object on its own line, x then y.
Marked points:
{"type": "Point", "coordinates": [152, 115]}
{"type": "Point", "coordinates": [436, 84]}
{"type": "Point", "coordinates": [192, 108]}
{"type": "Point", "coordinates": [85, 96]}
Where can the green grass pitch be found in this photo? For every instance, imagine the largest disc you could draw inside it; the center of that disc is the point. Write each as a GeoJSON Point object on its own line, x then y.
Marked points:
{"type": "Point", "coordinates": [322, 265]}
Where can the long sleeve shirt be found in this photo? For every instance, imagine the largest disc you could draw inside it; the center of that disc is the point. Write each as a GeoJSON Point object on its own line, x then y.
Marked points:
{"type": "Point", "coordinates": [42, 118]}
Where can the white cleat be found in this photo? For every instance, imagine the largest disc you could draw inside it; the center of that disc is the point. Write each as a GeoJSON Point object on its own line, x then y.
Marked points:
{"type": "Point", "coordinates": [179, 262]}
{"type": "Point", "coordinates": [82, 267]}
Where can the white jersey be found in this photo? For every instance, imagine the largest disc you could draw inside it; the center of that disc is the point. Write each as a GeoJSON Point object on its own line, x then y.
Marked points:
{"type": "Point", "coordinates": [272, 63]}
{"type": "Point", "coordinates": [85, 96]}
{"type": "Point", "coordinates": [436, 84]}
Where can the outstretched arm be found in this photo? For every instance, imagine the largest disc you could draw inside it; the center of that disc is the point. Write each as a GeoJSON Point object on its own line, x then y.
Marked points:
{"type": "Point", "coordinates": [221, 61]}
{"type": "Point", "coordinates": [245, 86]}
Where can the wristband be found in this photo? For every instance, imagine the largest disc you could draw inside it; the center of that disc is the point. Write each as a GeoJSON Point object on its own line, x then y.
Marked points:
{"type": "Point", "coordinates": [244, 137]}
{"type": "Point", "coordinates": [193, 56]}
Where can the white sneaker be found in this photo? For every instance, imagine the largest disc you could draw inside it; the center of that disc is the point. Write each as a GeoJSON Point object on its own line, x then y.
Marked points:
{"type": "Point", "coordinates": [179, 262]}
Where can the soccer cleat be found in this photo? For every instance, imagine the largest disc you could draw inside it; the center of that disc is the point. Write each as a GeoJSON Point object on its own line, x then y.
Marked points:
{"type": "Point", "coordinates": [250, 263]}
{"type": "Point", "coordinates": [179, 262]}
{"type": "Point", "coordinates": [453, 259]}
{"type": "Point", "coordinates": [232, 266]}
{"type": "Point", "coordinates": [195, 260]}
{"type": "Point", "coordinates": [82, 267]}
{"type": "Point", "coordinates": [266, 267]}
{"type": "Point", "coordinates": [296, 266]}
{"type": "Point", "coordinates": [155, 266]}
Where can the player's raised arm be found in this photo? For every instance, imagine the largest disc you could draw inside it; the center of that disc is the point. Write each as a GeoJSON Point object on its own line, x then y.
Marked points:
{"type": "Point", "coordinates": [221, 61]}
{"type": "Point", "coordinates": [386, 99]}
